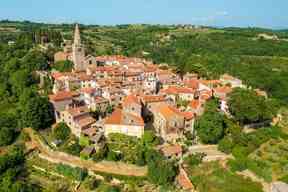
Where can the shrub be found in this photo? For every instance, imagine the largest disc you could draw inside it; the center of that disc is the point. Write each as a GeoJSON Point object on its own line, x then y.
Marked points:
{"type": "Point", "coordinates": [161, 172]}
{"type": "Point", "coordinates": [284, 179]}
{"type": "Point", "coordinates": [194, 159]}
{"type": "Point", "coordinates": [76, 173]}
{"type": "Point", "coordinates": [73, 149]}
{"type": "Point", "coordinates": [63, 66]}
{"type": "Point", "coordinates": [237, 164]}
{"type": "Point", "coordinates": [240, 152]}
{"type": "Point", "coordinates": [113, 156]}
{"type": "Point", "coordinates": [226, 145]}
{"type": "Point", "coordinates": [84, 141]}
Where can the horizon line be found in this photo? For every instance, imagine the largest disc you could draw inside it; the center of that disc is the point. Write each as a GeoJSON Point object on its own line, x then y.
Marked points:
{"type": "Point", "coordinates": [152, 24]}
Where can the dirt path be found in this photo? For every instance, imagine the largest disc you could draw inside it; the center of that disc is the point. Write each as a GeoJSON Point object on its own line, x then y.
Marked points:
{"type": "Point", "coordinates": [211, 151]}
{"type": "Point", "coordinates": [47, 153]}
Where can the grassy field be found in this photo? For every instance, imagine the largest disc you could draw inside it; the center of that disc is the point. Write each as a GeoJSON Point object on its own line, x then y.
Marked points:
{"type": "Point", "coordinates": [210, 177]}
{"type": "Point", "coordinates": [274, 156]}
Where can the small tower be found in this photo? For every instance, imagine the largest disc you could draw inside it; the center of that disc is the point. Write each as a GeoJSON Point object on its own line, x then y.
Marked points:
{"type": "Point", "coordinates": [78, 53]}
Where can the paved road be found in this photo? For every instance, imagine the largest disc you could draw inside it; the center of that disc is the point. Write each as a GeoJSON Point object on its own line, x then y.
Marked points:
{"type": "Point", "coordinates": [47, 153]}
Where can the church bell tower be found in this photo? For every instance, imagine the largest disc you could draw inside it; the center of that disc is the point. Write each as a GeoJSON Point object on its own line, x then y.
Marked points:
{"type": "Point", "coordinates": [78, 53]}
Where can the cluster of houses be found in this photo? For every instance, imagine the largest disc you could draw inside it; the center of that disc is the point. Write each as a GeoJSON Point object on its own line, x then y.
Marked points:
{"type": "Point", "coordinates": [142, 95]}
{"type": "Point", "coordinates": [139, 91]}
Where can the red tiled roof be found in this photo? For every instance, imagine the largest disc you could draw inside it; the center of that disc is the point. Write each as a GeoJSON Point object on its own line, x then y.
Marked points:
{"type": "Point", "coordinates": [210, 82]}
{"type": "Point", "coordinates": [227, 77]}
{"type": "Point", "coordinates": [99, 99]}
{"type": "Point", "coordinates": [186, 115]}
{"type": "Point", "coordinates": [152, 98]}
{"type": "Point", "coordinates": [56, 75]}
{"type": "Point", "coordinates": [75, 111]}
{"type": "Point", "coordinates": [170, 150]}
{"type": "Point", "coordinates": [117, 118]}
{"type": "Point", "coordinates": [88, 90]}
{"type": "Point", "coordinates": [205, 95]}
{"type": "Point", "coordinates": [224, 90]}
{"type": "Point", "coordinates": [195, 104]}
{"type": "Point", "coordinates": [130, 99]}
{"type": "Point", "coordinates": [61, 96]}
{"type": "Point", "coordinates": [166, 111]}
{"type": "Point", "coordinates": [85, 77]}
{"type": "Point", "coordinates": [85, 121]}
{"type": "Point", "coordinates": [184, 180]}
{"type": "Point", "coordinates": [177, 90]}
{"type": "Point", "coordinates": [193, 83]}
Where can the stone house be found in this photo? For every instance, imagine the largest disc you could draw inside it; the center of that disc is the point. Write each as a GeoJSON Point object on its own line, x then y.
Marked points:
{"type": "Point", "coordinates": [175, 93]}
{"type": "Point", "coordinates": [222, 92]}
{"type": "Point", "coordinates": [170, 123]}
{"type": "Point", "coordinates": [60, 101]}
{"type": "Point", "coordinates": [124, 123]}
{"type": "Point", "coordinates": [232, 81]}
{"type": "Point", "coordinates": [77, 118]}
{"type": "Point", "coordinates": [171, 151]}
{"type": "Point", "coordinates": [196, 107]}
{"type": "Point", "coordinates": [151, 101]}
{"type": "Point", "coordinates": [131, 104]}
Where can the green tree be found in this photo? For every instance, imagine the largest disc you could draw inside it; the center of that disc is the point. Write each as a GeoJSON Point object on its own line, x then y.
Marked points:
{"type": "Point", "coordinates": [210, 127]}
{"type": "Point", "coordinates": [63, 66]}
{"type": "Point", "coordinates": [194, 159]}
{"type": "Point", "coordinates": [226, 145]}
{"type": "Point", "coordinates": [161, 172]}
{"type": "Point", "coordinates": [150, 139]}
{"type": "Point", "coordinates": [247, 107]}
{"type": "Point", "coordinates": [61, 131]}
{"type": "Point", "coordinates": [37, 113]}
{"type": "Point", "coordinates": [8, 125]}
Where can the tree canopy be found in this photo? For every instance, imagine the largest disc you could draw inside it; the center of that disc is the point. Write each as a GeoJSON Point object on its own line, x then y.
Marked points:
{"type": "Point", "coordinates": [247, 107]}
{"type": "Point", "coordinates": [210, 126]}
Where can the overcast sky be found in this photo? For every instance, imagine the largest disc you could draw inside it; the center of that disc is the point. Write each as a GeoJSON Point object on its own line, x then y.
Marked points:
{"type": "Point", "coordinates": [243, 13]}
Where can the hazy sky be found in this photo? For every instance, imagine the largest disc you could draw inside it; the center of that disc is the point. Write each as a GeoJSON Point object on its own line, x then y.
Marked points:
{"type": "Point", "coordinates": [262, 13]}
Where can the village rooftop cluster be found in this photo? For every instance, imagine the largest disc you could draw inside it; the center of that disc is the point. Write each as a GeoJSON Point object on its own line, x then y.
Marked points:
{"type": "Point", "coordinates": [141, 95]}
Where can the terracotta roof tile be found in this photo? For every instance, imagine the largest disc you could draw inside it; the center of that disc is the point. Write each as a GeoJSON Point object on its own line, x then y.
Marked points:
{"type": "Point", "coordinates": [193, 83]}
{"type": "Point", "coordinates": [152, 98]}
{"type": "Point", "coordinates": [184, 180]}
{"type": "Point", "coordinates": [223, 90]}
{"type": "Point", "coordinates": [61, 96]}
{"type": "Point", "coordinates": [170, 150]}
{"type": "Point", "coordinates": [88, 90]}
{"type": "Point", "coordinates": [115, 117]}
{"type": "Point", "coordinates": [130, 99]}
{"type": "Point", "coordinates": [118, 118]}
{"type": "Point", "coordinates": [177, 90]}
{"type": "Point", "coordinates": [195, 104]}
{"type": "Point", "coordinates": [76, 111]}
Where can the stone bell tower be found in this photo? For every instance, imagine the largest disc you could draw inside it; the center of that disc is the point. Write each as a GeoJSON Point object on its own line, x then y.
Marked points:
{"type": "Point", "coordinates": [78, 53]}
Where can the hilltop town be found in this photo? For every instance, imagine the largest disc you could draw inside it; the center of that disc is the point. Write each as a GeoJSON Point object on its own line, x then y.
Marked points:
{"type": "Point", "coordinates": [133, 95]}
{"type": "Point", "coordinates": [76, 120]}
